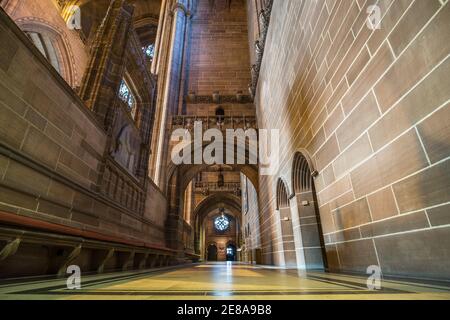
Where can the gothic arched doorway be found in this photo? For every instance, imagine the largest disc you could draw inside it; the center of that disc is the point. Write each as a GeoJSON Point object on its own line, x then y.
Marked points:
{"type": "Point", "coordinates": [231, 252]}
{"type": "Point", "coordinates": [308, 210]}
{"type": "Point", "coordinates": [287, 231]}
{"type": "Point", "coordinates": [212, 252]}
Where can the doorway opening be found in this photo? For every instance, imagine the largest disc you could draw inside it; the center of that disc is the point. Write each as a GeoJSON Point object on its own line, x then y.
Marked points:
{"type": "Point", "coordinates": [212, 252]}
{"type": "Point", "coordinates": [308, 210]}
{"type": "Point", "coordinates": [231, 252]}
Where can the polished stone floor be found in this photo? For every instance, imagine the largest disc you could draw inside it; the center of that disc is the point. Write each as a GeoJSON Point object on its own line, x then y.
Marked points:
{"type": "Point", "coordinates": [222, 281]}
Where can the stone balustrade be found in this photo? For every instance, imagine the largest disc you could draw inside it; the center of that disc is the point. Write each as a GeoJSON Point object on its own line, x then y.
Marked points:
{"type": "Point", "coordinates": [212, 187]}
{"type": "Point", "coordinates": [214, 122]}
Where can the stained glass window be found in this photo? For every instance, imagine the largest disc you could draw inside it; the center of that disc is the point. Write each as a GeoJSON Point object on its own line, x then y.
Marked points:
{"type": "Point", "coordinates": [126, 96]}
{"type": "Point", "coordinates": [222, 223]}
{"type": "Point", "coordinates": [149, 51]}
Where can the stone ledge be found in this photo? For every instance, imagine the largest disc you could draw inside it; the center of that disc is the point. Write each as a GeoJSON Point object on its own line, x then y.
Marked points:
{"type": "Point", "coordinates": [26, 161]}
{"type": "Point", "coordinates": [76, 235]}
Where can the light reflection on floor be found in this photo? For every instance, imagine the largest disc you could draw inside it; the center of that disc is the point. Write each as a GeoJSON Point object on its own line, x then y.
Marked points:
{"type": "Point", "coordinates": [222, 281]}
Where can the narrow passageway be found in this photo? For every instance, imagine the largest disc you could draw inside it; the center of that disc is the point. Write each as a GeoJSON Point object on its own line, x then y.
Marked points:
{"type": "Point", "coordinates": [272, 141]}
{"type": "Point", "coordinates": [223, 280]}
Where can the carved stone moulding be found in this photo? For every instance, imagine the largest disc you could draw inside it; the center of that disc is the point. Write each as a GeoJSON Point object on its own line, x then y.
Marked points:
{"type": "Point", "coordinates": [239, 98]}
{"type": "Point", "coordinates": [264, 21]}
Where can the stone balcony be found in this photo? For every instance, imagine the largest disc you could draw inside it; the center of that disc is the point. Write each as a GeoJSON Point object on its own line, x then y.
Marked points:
{"type": "Point", "coordinates": [222, 123]}
{"type": "Point", "coordinates": [207, 188]}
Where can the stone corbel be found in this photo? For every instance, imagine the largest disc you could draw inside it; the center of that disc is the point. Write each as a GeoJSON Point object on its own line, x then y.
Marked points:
{"type": "Point", "coordinates": [154, 260]}
{"type": "Point", "coordinates": [129, 260]}
{"type": "Point", "coordinates": [72, 256]}
{"type": "Point", "coordinates": [162, 262]}
{"type": "Point", "coordinates": [10, 249]}
{"type": "Point", "coordinates": [108, 256]}
{"type": "Point", "coordinates": [143, 262]}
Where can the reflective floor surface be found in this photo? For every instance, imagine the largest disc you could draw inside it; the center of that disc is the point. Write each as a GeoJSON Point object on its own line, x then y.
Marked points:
{"type": "Point", "coordinates": [222, 281]}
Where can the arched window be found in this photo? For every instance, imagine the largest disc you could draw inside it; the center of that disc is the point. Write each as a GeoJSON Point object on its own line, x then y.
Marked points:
{"type": "Point", "coordinates": [127, 96]}
{"type": "Point", "coordinates": [222, 223]}
{"type": "Point", "coordinates": [46, 46]}
{"type": "Point", "coordinates": [53, 44]}
{"type": "Point", "coordinates": [149, 51]}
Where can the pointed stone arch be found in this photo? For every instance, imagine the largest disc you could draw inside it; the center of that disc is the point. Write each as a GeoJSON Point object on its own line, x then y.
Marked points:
{"type": "Point", "coordinates": [286, 227]}
{"type": "Point", "coordinates": [282, 194]}
{"type": "Point", "coordinates": [312, 244]}
{"type": "Point", "coordinates": [302, 172]}
{"type": "Point", "coordinates": [61, 44]}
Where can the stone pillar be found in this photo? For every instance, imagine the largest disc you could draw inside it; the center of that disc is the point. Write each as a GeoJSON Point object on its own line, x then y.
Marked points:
{"type": "Point", "coordinates": [174, 222]}
{"type": "Point", "coordinates": [171, 67]}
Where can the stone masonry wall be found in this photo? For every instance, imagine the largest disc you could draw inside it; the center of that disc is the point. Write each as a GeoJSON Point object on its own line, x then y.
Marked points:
{"type": "Point", "coordinates": [371, 109]}
{"type": "Point", "coordinates": [250, 219]}
{"type": "Point", "coordinates": [219, 56]}
{"type": "Point", "coordinates": [30, 14]}
{"type": "Point", "coordinates": [51, 149]}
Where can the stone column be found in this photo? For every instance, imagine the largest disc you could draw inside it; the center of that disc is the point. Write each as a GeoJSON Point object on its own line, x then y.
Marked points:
{"type": "Point", "coordinates": [174, 223]}
{"type": "Point", "coordinates": [170, 68]}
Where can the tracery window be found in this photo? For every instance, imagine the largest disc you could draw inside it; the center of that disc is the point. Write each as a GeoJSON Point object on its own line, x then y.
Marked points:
{"type": "Point", "coordinates": [222, 223]}
{"type": "Point", "coordinates": [46, 46]}
{"type": "Point", "coordinates": [149, 51]}
{"type": "Point", "coordinates": [127, 96]}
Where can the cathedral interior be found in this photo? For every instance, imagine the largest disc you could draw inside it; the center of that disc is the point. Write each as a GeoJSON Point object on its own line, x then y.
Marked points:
{"type": "Point", "coordinates": [91, 92]}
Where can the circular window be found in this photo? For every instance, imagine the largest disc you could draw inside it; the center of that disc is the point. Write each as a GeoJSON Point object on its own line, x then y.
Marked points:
{"type": "Point", "coordinates": [222, 223]}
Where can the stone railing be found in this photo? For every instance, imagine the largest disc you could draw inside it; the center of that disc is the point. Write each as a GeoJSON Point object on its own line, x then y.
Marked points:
{"type": "Point", "coordinates": [122, 188]}
{"type": "Point", "coordinates": [214, 122]}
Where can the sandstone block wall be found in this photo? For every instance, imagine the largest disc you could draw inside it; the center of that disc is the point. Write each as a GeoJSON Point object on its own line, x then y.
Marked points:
{"type": "Point", "coordinates": [51, 151]}
{"type": "Point", "coordinates": [219, 58]}
{"type": "Point", "coordinates": [42, 15]}
{"type": "Point", "coordinates": [371, 109]}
